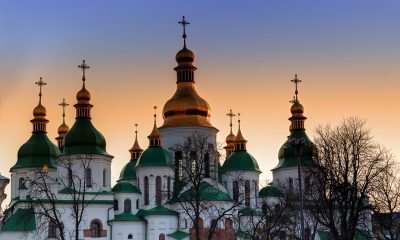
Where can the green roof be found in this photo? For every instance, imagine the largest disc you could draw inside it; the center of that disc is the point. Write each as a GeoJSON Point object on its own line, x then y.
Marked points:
{"type": "Point", "coordinates": [22, 220]}
{"type": "Point", "coordinates": [250, 212]}
{"type": "Point", "coordinates": [128, 172]}
{"type": "Point", "coordinates": [125, 187]}
{"type": "Point", "coordinates": [360, 235]}
{"type": "Point", "coordinates": [240, 161]}
{"type": "Point", "coordinates": [84, 138]}
{"type": "Point", "coordinates": [125, 217]}
{"type": "Point", "coordinates": [154, 156]}
{"type": "Point", "coordinates": [207, 193]}
{"type": "Point", "coordinates": [37, 152]}
{"type": "Point", "coordinates": [159, 210]}
{"type": "Point", "coordinates": [178, 235]}
{"type": "Point", "coordinates": [69, 190]}
{"type": "Point", "coordinates": [270, 191]}
{"type": "Point", "coordinates": [287, 153]}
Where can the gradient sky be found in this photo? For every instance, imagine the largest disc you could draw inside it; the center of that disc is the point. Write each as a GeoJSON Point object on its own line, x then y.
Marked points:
{"type": "Point", "coordinates": [347, 52]}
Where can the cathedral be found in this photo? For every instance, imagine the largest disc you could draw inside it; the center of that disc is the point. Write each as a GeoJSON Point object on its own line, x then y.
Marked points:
{"type": "Point", "coordinates": [177, 180]}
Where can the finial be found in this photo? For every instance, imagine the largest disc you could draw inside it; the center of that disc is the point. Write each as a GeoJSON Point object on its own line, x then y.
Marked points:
{"type": "Point", "coordinates": [63, 104]}
{"type": "Point", "coordinates": [83, 66]}
{"type": "Point", "coordinates": [230, 115]}
{"type": "Point", "coordinates": [183, 22]}
{"type": "Point", "coordinates": [296, 81]}
{"type": "Point", "coordinates": [40, 83]}
{"type": "Point", "coordinates": [239, 120]}
{"type": "Point", "coordinates": [155, 114]}
{"type": "Point", "coordinates": [136, 129]}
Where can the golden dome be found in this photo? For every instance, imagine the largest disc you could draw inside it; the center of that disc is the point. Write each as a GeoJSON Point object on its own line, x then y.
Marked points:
{"type": "Point", "coordinates": [63, 129]}
{"type": "Point", "coordinates": [185, 56]}
{"type": "Point", "coordinates": [83, 96]}
{"type": "Point", "coordinates": [186, 108]}
{"type": "Point", "coordinates": [297, 108]}
{"type": "Point", "coordinates": [39, 111]}
{"type": "Point", "coordinates": [231, 138]}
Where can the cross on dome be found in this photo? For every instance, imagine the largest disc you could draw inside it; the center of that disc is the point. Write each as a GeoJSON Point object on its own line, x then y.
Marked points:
{"type": "Point", "coordinates": [40, 83]}
{"type": "Point", "coordinates": [83, 66]}
{"type": "Point", "coordinates": [183, 22]}
{"type": "Point", "coordinates": [63, 104]}
{"type": "Point", "coordinates": [230, 115]}
{"type": "Point", "coordinates": [296, 81]}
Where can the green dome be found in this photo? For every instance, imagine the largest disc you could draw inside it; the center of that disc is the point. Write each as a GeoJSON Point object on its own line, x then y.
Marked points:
{"type": "Point", "coordinates": [240, 161]}
{"type": "Point", "coordinates": [287, 153]}
{"type": "Point", "coordinates": [37, 152]}
{"type": "Point", "coordinates": [84, 138]}
{"type": "Point", "coordinates": [154, 156]}
{"type": "Point", "coordinates": [125, 187]}
{"type": "Point", "coordinates": [128, 172]}
{"type": "Point", "coordinates": [270, 191]}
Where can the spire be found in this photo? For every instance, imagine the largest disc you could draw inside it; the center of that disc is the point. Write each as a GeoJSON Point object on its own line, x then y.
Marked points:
{"type": "Point", "coordinates": [240, 143]}
{"type": "Point", "coordinates": [230, 139]}
{"type": "Point", "coordinates": [183, 22]}
{"type": "Point", "coordinates": [63, 128]}
{"type": "Point", "coordinates": [297, 119]}
{"type": "Point", "coordinates": [39, 120]}
{"type": "Point", "coordinates": [83, 96]}
{"type": "Point", "coordinates": [155, 137]}
{"type": "Point", "coordinates": [135, 151]}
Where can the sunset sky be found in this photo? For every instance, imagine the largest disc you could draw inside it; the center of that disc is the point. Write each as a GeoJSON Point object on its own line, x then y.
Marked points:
{"type": "Point", "coordinates": [347, 52]}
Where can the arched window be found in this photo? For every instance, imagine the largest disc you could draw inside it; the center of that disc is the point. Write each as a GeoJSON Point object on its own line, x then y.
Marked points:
{"type": "Point", "coordinates": [235, 191]}
{"type": "Point", "coordinates": [70, 176]}
{"type": "Point", "coordinates": [137, 203]}
{"type": "Point", "coordinates": [127, 206]}
{"type": "Point", "coordinates": [206, 165]}
{"type": "Point", "coordinates": [178, 165]}
{"type": "Point", "coordinates": [130, 236]}
{"type": "Point", "coordinates": [95, 228]}
{"type": "Point", "coordinates": [104, 177]}
{"type": "Point", "coordinates": [21, 183]}
{"type": "Point", "coordinates": [161, 237]}
{"type": "Point", "coordinates": [277, 209]}
{"type": "Point", "coordinates": [169, 187]}
{"type": "Point", "coordinates": [52, 230]}
{"type": "Point", "coordinates": [158, 190]}
{"type": "Point", "coordinates": [146, 190]}
{"type": "Point", "coordinates": [290, 185]}
{"type": "Point", "coordinates": [247, 193]}
{"type": "Point", "coordinates": [185, 223]}
{"type": "Point", "coordinates": [307, 184]}
{"type": "Point", "coordinates": [115, 204]}
{"type": "Point", "coordinates": [88, 176]}
{"type": "Point", "coordinates": [264, 208]}
{"type": "Point", "coordinates": [255, 185]}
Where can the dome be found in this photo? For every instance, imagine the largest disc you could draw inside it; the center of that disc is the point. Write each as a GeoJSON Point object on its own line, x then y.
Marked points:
{"type": "Point", "coordinates": [185, 56]}
{"type": "Point", "coordinates": [231, 138]}
{"type": "Point", "coordinates": [63, 129]}
{"type": "Point", "coordinates": [128, 172]}
{"type": "Point", "coordinates": [155, 156]}
{"type": "Point", "coordinates": [186, 108]}
{"type": "Point", "coordinates": [287, 153]}
{"type": "Point", "coordinates": [84, 138]}
{"type": "Point", "coordinates": [39, 111]}
{"type": "Point", "coordinates": [240, 161]}
{"type": "Point", "coordinates": [125, 187]}
{"type": "Point", "coordinates": [83, 96]}
{"type": "Point", "coordinates": [270, 191]}
{"type": "Point", "coordinates": [37, 152]}
{"type": "Point", "coordinates": [297, 108]}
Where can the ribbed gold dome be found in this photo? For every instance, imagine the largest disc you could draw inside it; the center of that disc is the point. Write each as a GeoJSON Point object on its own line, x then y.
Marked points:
{"type": "Point", "coordinates": [185, 56]}
{"type": "Point", "coordinates": [83, 96]}
{"type": "Point", "coordinates": [186, 108]}
{"type": "Point", "coordinates": [297, 108]}
{"type": "Point", "coordinates": [63, 129]}
{"type": "Point", "coordinates": [39, 111]}
{"type": "Point", "coordinates": [231, 138]}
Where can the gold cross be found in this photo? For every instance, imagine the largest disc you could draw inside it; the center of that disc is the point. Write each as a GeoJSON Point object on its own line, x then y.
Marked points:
{"type": "Point", "coordinates": [83, 66]}
{"type": "Point", "coordinates": [40, 83]}
{"type": "Point", "coordinates": [296, 81]}
{"type": "Point", "coordinates": [183, 22]}
{"type": "Point", "coordinates": [63, 104]}
{"type": "Point", "coordinates": [230, 115]}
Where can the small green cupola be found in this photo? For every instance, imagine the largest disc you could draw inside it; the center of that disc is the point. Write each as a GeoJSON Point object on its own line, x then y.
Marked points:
{"type": "Point", "coordinates": [298, 143]}
{"type": "Point", "coordinates": [83, 137]}
{"type": "Point", "coordinates": [270, 191]}
{"type": "Point", "coordinates": [240, 159]}
{"type": "Point", "coordinates": [154, 155]}
{"type": "Point", "coordinates": [38, 151]}
{"type": "Point", "coordinates": [128, 172]}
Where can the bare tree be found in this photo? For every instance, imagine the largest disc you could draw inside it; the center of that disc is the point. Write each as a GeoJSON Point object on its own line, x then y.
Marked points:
{"type": "Point", "coordinates": [348, 165]}
{"type": "Point", "coordinates": [386, 202]}
{"type": "Point", "coordinates": [197, 190]}
{"type": "Point", "coordinates": [51, 193]}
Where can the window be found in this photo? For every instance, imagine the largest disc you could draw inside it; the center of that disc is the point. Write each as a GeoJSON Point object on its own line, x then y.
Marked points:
{"type": "Point", "coordinates": [21, 183]}
{"type": "Point", "coordinates": [255, 185]}
{"type": "Point", "coordinates": [169, 187]}
{"type": "Point", "coordinates": [194, 167]}
{"type": "Point", "coordinates": [146, 190]}
{"type": "Point", "coordinates": [69, 176]}
{"type": "Point", "coordinates": [161, 237]}
{"type": "Point", "coordinates": [290, 185]}
{"type": "Point", "coordinates": [52, 230]}
{"type": "Point", "coordinates": [277, 209]}
{"type": "Point", "coordinates": [178, 165]}
{"type": "Point", "coordinates": [206, 165]}
{"type": "Point", "coordinates": [158, 190]}
{"type": "Point", "coordinates": [95, 228]}
{"type": "Point", "coordinates": [130, 236]}
{"type": "Point", "coordinates": [137, 203]}
{"type": "Point", "coordinates": [214, 223]}
{"type": "Point", "coordinates": [264, 208]}
{"type": "Point", "coordinates": [104, 177]}
{"type": "Point", "coordinates": [88, 177]}
{"type": "Point", "coordinates": [235, 191]}
{"type": "Point", "coordinates": [115, 204]}
{"type": "Point", "coordinates": [307, 185]}
{"type": "Point", "coordinates": [180, 173]}
{"type": "Point", "coordinates": [247, 193]}
{"type": "Point", "coordinates": [127, 206]}
{"type": "Point", "coordinates": [185, 223]}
